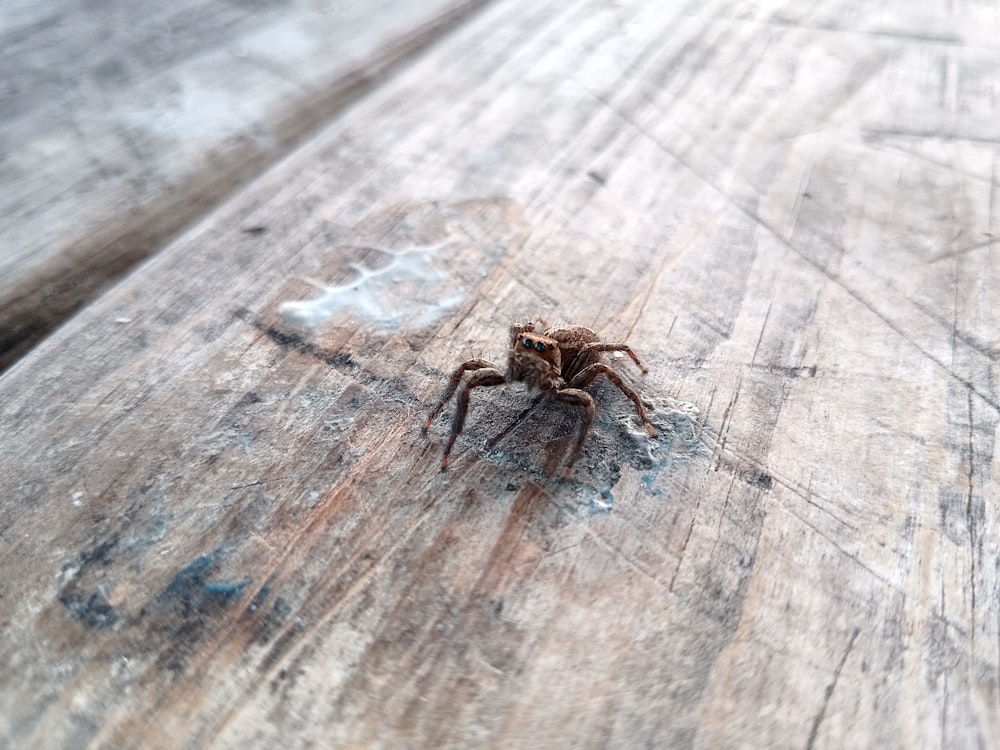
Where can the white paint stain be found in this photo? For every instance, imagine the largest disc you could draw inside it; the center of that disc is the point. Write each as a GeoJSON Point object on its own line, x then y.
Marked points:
{"type": "Point", "coordinates": [410, 289]}
{"type": "Point", "coordinates": [676, 423]}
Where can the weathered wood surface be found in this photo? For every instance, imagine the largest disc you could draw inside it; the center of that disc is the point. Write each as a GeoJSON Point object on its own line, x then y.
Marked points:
{"type": "Point", "coordinates": [123, 122]}
{"type": "Point", "coordinates": [222, 528]}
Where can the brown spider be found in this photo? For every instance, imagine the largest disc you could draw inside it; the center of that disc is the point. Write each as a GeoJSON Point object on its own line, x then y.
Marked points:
{"type": "Point", "coordinates": [559, 362]}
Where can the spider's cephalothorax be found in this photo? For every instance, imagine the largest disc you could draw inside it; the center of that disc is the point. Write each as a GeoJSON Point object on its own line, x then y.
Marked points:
{"type": "Point", "coordinates": [561, 362]}
{"type": "Point", "coordinates": [536, 360]}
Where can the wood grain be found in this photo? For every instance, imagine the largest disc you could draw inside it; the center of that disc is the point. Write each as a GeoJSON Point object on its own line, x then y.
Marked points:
{"type": "Point", "coordinates": [121, 125]}
{"type": "Point", "coordinates": [223, 528]}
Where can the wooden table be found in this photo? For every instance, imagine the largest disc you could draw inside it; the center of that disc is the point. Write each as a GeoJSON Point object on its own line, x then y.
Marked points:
{"type": "Point", "coordinates": [222, 525]}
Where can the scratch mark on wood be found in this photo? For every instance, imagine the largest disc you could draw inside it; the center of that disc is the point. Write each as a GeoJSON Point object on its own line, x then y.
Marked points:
{"type": "Point", "coordinates": [562, 549]}
{"type": "Point", "coordinates": [753, 359]}
{"type": "Point", "coordinates": [951, 324]}
{"type": "Point", "coordinates": [607, 546]}
{"type": "Point", "coordinates": [853, 558]}
{"type": "Point", "coordinates": [928, 134]}
{"type": "Point", "coordinates": [650, 287]}
{"type": "Point", "coordinates": [597, 177]}
{"type": "Point", "coordinates": [796, 489]}
{"type": "Point", "coordinates": [959, 252]}
{"type": "Point", "coordinates": [498, 438]}
{"type": "Point", "coordinates": [991, 229]}
{"type": "Point", "coordinates": [680, 554]}
{"type": "Point", "coordinates": [259, 482]}
{"type": "Point", "coordinates": [722, 516]}
{"type": "Point", "coordinates": [970, 520]}
{"type": "Point", "coordinates": [725, 423]}
{"type": "Point", "coordinates": [829, 692]}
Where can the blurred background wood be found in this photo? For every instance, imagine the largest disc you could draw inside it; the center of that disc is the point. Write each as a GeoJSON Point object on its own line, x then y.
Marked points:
{"type": "Point", "coordinates": [122, 123]}
{"type": "Point", "coordinates": [223, 527]}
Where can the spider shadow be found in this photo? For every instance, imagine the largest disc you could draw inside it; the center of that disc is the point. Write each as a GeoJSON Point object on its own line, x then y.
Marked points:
{"type": "Point", "coordinates": [531, 435]}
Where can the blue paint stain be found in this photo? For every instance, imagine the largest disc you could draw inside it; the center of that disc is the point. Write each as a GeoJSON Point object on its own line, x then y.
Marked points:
{"type": "Point", "coordinates": [647, 482]}
{"type": "Point", "coordinates": [195, 593]}
{"type": "Point", "coordinates": [282, 609]}
{"type": "Point", "coordinates": [94, 611]}
{"type": "Point", "coordinates": [226, 590]}
{"type": "Point", "coordinates": [259, 598]}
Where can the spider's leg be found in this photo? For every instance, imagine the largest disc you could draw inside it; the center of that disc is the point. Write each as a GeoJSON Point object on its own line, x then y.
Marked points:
{"type": "Point", "coordinates": [586, 376]}
{"type": "Point", "coordinates": [456, 378]}
{"type": "Point", "coordinates": [582, 400]}
{"type": "Point", "coordinates": [481, 378]}
{"type": "Point", "coordinates": [600, 346]}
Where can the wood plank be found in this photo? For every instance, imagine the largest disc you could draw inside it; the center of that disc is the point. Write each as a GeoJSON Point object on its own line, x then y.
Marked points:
{"type": "Point", "coordinates": [225, 528]}
{"type": "Point", "coordinates": [120, 124]}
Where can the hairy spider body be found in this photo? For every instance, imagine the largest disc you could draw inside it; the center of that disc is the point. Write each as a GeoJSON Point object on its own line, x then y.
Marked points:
{"type": "Point", "coordinates": [560, 362]}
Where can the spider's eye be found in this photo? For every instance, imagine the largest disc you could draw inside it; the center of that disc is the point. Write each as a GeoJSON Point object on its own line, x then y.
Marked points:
{"type": "Point", "coordinates": [526, 343]}
{"type": "Point", "coordinates": [539, 346]}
